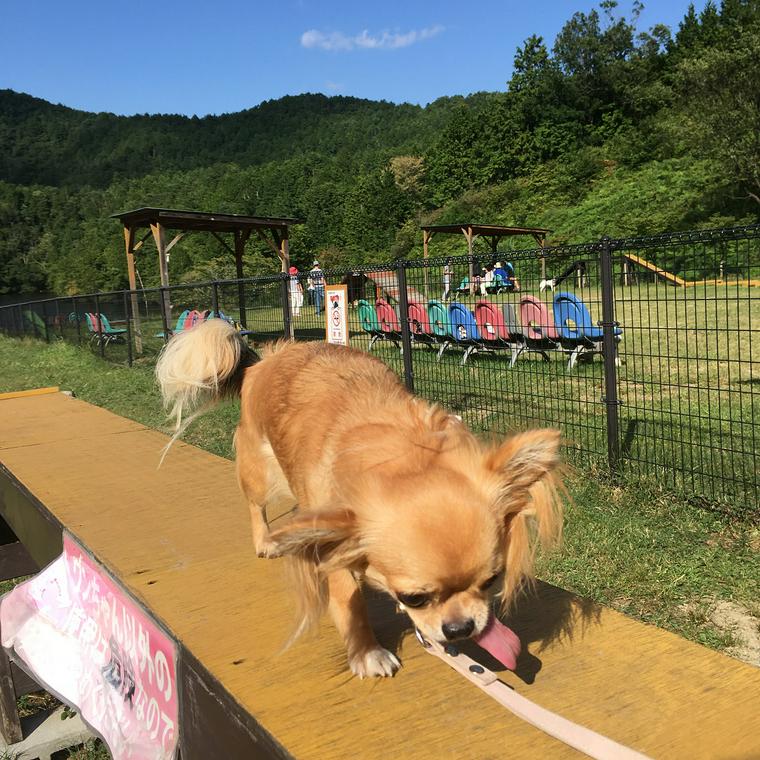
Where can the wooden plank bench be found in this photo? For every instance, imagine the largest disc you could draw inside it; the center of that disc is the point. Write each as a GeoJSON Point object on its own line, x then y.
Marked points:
{"type": "Point", "coordinates": [178, 539]}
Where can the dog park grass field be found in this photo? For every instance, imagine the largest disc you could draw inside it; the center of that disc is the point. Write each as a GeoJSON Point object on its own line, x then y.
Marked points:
{"type": "Point", "coordinates": [686, 378]}
{"type": "Point", "coordinates": [636, 547]}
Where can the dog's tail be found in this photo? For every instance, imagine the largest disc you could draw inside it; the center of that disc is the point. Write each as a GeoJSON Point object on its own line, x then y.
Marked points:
{"type": "Point", "coordinates": [199, 367]}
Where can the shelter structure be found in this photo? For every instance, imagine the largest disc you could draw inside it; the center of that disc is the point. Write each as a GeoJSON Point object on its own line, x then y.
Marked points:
{"type": "Point", "coordinates": [493, 232]}
{"type": "Point", "coordinates": [156, 222]}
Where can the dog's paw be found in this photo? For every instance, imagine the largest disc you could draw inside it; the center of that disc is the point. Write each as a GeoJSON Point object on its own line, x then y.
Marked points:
{"type": "Point", "coordinates": [375, 662]}
{"type": "Point", "coordinates": [268, 550]}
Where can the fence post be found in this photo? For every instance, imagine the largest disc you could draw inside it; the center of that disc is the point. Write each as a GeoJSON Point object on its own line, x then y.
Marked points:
{"type": "Point", "coordinates": [215, 298]}
{"type": "Point", "coordinates": [287, 322]}
{"type": "Point", "coordinates": [100, 335]}
{"type": "Point", "coordinates": [406, 333]}
{"type": "Point", "coordinates": [58, 318]}
{"type": "Point", "coordinates": [129, 328]}
{"type": "Point", "coordinates": [45, 320]}
{"type": "Point", "coordinates": [609, 355]}
{"type": "Point", "coordinates": [164, 321]}
{"type": "Point", "coordinates": [76, 319]}
{"type": "Point", "coordinates": [241, 305]}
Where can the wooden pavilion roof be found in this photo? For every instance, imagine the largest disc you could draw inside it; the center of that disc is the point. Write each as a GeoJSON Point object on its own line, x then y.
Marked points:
{"type": "Point", "coordinates": [201, 221]}
{"type": "Point", "coordinates": [485, 230]}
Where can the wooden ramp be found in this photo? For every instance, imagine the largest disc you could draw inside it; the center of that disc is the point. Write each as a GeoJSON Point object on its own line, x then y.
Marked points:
{"type": "Point", "coordinates": [668, 276]}
{"type": "Point", "coordinates": [178, 540]}
{"type": "Point", "coordinates": [387, 283]}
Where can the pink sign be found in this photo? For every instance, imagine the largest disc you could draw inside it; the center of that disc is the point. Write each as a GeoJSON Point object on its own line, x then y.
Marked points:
{"type": "Point", "coordinates": [84, 638]}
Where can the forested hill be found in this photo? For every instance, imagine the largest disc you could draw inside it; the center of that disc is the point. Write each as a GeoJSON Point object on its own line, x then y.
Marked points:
{"type": "Point", "coordinates": [608, 129]}
{"type": "Point", "coordinates": [42, 143]}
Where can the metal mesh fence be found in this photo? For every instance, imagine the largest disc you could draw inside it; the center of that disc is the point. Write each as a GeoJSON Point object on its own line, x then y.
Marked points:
{"type": "Point", "coordinates": [690, 380]}
{"type": "Point", "coordinates": [643, 352]}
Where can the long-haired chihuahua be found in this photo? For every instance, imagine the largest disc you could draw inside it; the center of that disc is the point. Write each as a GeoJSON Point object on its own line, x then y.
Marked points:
{"type": "Point", "coordinates": [390, 490]}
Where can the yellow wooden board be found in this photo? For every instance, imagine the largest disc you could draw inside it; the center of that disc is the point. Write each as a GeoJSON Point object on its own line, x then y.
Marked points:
{"type": "Point", "coordinates": [674, 278]}
{"type": "Point", "coordinates": [179, 539]}
{"type": "Point", "coordinates": [30, 392]}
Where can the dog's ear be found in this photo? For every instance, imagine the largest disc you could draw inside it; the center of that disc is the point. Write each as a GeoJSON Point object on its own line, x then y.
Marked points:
{"type": "Point", "coordinates": [528, 505]}
{"type": "Point", "coordinates": [523, 460]}
{"type": "Point", "coordinates": [329, 538]}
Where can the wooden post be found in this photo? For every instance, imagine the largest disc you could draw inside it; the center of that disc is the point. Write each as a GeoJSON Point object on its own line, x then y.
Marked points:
{"type": "Point", "coordinates": [284, 247]}
{"type": "Point", "coordinates": [470, 238]}
{"type": "Point", "coordinates": [159, 237]}
{"type": "Point", "coordinates": [541, 240]}
{"type": "Point", "coordinates": [129, 241]}
{"type": "Point", "coordinates": [427, 236]}
{"type": "Point", "coordinates": [10, 725]}
{"type": "Point", "coordinates": [239, 248]}
{"type": "Point", "coordinates": [285, 252]}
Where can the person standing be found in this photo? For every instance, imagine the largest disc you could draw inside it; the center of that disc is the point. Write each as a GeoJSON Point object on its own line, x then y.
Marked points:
{"type": "Point", "coordinates": [487, 280]}
{"type": "Point", "coordinates": [317, 281]}
{"type": "Point", "coordinates": [296, 293]}
{"type": "Point", "coordinates": [448, 273]}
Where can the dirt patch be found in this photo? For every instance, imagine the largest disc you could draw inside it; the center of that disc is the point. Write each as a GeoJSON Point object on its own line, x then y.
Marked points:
{"type": "Point", "coordinates": [744, 627]}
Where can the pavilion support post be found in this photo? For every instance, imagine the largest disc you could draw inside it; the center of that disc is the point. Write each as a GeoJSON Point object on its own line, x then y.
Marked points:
{"type": "Point", "coordinates": [129, 241]}
{"type": "Point", "coordinates": [427, 236]}
{"type": "Point", "coordinates": [159, 236]}
{"type": "Point", "coordinates": [240, 240]}
{"type": "Point", "coordinates": [284, 247]}
{"type": "Point", "coordinates": [470, 239]}
{"type": "Point", "coordinates": [541, 240]}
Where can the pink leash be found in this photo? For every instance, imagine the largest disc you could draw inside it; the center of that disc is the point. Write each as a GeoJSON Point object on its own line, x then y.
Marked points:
{"type": "Point", "coordinates": [583, 739]}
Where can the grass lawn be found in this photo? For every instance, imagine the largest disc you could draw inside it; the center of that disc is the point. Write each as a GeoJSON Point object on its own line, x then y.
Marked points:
{"type": "Point", "coordinates": [687, 379]}
{"type": "Point", "coordinates": [637, 548]}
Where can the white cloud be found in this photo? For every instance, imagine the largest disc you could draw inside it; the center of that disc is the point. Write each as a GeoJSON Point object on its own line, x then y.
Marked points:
{"type": "Point", "coordinates": [337, 41]}
{"type": "Point", "coordinates": [333, 86]}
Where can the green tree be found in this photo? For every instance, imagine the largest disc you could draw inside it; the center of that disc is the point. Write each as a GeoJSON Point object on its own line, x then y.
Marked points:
{"type": "Point", "coordinates": [721, 91]}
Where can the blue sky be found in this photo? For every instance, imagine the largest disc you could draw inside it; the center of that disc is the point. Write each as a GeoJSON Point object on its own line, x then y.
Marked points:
{"type": "Point", "coordinates": [193, 57]}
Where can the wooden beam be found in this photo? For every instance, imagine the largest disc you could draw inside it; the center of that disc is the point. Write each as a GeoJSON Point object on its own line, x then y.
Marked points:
{"type": "Point", "coordinates": [427, 236]}
{"type": "Point", "coordinates": [467, 232]}
{"type": "Point", "coordinates": [137, 246]}
{"type": "Point", "coordinates": [223, 242]}
{"type": "Point", "coordinates": [275, 248]}
{"type": "Point", "coordinates": [174, 242]}
{"type": "Point", "coordinates": [129, 241]}
{"type": "Point", "coordinates": [541, 240]}
{"type": "Point", "coordinates": [159, 236]}
{"type": "Point", "coordinates": [240, 241]}
{"type": "Point", "coordinates": [285, 253]}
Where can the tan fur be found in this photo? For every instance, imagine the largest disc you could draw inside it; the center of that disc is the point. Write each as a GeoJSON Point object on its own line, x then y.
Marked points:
{"type": "Point", "coordinates": [193, 367]}
{"type": "Point", "coordinates": [389, 488]}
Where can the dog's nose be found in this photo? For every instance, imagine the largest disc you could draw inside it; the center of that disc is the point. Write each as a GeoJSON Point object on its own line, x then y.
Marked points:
{"type": "Point", "coordinates": [459, 630]}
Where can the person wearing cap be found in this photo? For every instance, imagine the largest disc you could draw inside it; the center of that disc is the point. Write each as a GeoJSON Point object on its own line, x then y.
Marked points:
{"type": "Point", "coordinates": [317, 286]}
{"type": "Point", "coordinates": [296, 292]}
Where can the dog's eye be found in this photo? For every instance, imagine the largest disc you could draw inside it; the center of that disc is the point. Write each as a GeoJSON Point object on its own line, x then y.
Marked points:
{"type": "Point", "coordinates": [413, 600]}
{"type": "Point", "coordinates": [485, 586]}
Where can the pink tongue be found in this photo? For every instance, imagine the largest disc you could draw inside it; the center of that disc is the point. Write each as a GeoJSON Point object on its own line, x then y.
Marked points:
{"type": "Point", "coordinates": [500, 642]}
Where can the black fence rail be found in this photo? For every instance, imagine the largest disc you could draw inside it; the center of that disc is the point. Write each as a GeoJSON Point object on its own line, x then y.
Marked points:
{"type": "Point", "coordinates": [643, 351]}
